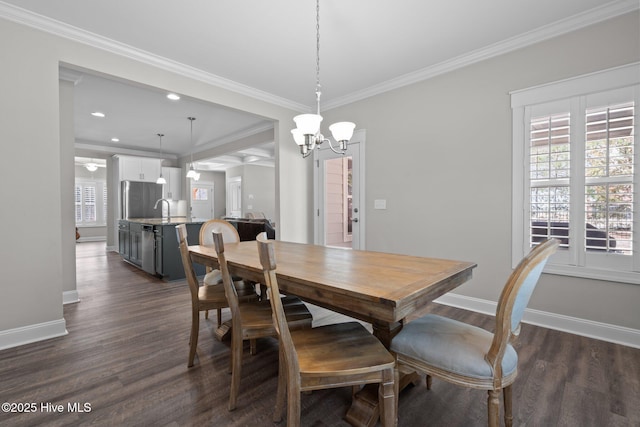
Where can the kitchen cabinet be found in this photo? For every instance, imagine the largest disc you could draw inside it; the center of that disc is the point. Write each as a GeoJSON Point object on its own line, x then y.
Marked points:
{"type": "Point", "coordinates": [123, 240]}
{"type": "Point", "coordinates": [135, 243]}
{"type": "Point", "coordinates": [168, 258]}
{"type": "Point", "coordinates": [172, 190]}
{"type": "Point", "coordinates": [165, 252]}
{"type": "Point", "coordinates": [133, 168]}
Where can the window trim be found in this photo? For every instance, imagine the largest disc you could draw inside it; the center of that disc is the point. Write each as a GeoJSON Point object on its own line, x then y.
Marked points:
{"type": "Point", "coordinates": [564, 90]}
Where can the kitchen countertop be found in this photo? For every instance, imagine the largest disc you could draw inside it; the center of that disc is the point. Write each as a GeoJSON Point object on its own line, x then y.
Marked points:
{"type": "Point", "coordinates": [164, 221]}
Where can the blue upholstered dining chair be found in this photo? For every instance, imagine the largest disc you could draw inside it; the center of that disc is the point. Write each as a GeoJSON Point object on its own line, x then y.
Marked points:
{"type": "Point", "coordinates": [469, 356]}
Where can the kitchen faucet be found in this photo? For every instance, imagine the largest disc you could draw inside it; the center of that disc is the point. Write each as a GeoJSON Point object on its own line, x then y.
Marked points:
{"type": "Point", "coordinates": [168, 208]}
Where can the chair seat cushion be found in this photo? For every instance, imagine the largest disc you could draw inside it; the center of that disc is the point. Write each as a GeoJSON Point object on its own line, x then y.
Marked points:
{"type": "Point", "coordinates": [213, 277]}
{"type": "Point", "coordinates": [452, 346]}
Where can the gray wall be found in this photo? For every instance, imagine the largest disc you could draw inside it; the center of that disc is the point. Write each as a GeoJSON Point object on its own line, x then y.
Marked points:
{"type": "Point", "coordinates": [439, 152]}
{"type": "Point", "coordinates": [34, 253]}
{"type": "Point", "coordinates": [419, 139]}
{"type": "Point", "coordinates": [258, 190]}
{"type": "Point", "coordinates": [259, 183]}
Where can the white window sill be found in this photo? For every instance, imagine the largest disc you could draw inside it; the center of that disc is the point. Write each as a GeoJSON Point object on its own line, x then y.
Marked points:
{"type": "Point", "coordinates": [594, 273]}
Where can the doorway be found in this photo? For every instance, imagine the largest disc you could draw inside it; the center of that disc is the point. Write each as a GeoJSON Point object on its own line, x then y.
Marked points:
{"type": "Point", "coordinates": [234, 197]}
{"type": "Point", "coordinates": [339, 195]}
{"type": "Point", "coordinates": [201, 201]}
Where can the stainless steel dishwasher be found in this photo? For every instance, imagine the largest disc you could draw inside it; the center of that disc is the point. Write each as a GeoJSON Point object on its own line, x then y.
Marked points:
{"type": "Point", "coordinates": [148, 249]}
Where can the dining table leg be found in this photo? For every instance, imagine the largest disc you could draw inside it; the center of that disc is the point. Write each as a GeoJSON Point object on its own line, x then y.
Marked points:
{"type": "Point", "coordinates": [364, 410]}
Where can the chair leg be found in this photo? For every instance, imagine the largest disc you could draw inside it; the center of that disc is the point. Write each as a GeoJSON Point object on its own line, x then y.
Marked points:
{"type": "Point", "coordinates": [193, 339]}
{"type": "Point", "coordinates": [236, 371]}
{"type": "Point", "coordinates": [508, 411]}
{"type": "Point", "coordinates": [252, 347]}
{"type": "Point", "coordinates": [206, 314]}
{"type": "Point", "coordinates": [219, 316]}
{"type": "Point", "coordinates": [429, 379]}
{"type": "Point", "coordinates": [293, 404]}
{"type": "Point", "coordinates": [282, 388]}
{"type": "Point", "coordinates": [493, 407]}
{"type": "Point", "coordinates": [387, 399]}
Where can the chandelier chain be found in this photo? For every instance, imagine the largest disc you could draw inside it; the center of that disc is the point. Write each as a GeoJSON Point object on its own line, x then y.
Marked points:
{"type": "Point", "coordinates": [191, 119]}
{"type": "Point", "coordinates": [318, 92]}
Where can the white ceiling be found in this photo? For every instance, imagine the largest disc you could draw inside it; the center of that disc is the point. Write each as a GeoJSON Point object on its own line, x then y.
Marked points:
{"type": "Point", "coordinates": [267, 49]}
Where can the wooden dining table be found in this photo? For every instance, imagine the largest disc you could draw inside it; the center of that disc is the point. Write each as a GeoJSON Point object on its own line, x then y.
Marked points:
{"type": "Point", "coordinates": [382, 289]}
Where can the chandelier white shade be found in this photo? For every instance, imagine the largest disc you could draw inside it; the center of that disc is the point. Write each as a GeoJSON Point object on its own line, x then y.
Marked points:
{"type": "Point", "coordinates": [342, 131]}
{"type": "Point", "coordinates": [91, 167]}
{"type": "Point", "coordinates": [308, 124]}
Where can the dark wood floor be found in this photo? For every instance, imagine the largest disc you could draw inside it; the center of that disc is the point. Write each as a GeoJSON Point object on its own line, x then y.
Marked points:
{"type": "Point", "coordinates": [126, 356]}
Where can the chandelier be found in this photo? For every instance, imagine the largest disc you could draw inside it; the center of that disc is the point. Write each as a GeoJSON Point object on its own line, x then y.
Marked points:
{"type": "Point", "coordinates": [307, 132]}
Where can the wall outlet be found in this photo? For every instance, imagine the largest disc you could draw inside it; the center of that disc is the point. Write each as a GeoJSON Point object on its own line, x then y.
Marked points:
{"type": "Point", "coordinates": [380, 204]}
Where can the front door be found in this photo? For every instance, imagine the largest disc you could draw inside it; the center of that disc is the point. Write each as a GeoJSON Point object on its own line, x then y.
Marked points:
{"type": "Point", "coordinates": [339, 194]}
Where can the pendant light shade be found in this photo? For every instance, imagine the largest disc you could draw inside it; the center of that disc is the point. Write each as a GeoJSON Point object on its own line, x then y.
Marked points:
{"type": "Point", "coordinates": [161, 179]}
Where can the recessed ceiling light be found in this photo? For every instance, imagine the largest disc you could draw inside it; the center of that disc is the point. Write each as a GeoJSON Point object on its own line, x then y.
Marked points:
{"type": "Point", "coordinates": [173, 96]}
{"type": "Point", "coordinates": [115, 139]}
{"type": "Point", "coordinates": [97, 114]}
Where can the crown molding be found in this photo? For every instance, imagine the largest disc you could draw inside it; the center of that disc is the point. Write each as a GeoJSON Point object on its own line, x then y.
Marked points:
{"type": "Point", "coordinates": [61, 29]}
{"type": "Point", "coordinates": [68, 75]}
{"type": "Point", "coordinates": [593, 16]}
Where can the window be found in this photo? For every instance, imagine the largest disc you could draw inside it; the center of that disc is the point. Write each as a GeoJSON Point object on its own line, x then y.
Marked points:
{"type": "Point", "coordinates": [574, 169]}
{"type": "Point", "coordinates": [90, 203]}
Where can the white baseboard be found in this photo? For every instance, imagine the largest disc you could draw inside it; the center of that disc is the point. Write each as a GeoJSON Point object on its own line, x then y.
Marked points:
{"type": "Point", "coordinates": [92, 239]}
{"type": "Point", "coordinates": [587, 328]}
{"type": "Point", "coordinates": [70, 297]}
{"type": "Point", "coordinates": [32, 333]}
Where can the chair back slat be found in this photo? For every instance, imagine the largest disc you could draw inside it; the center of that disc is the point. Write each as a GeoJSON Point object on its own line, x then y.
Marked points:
{"type": "Point", "coordinates": [229, 288]}
{"type": "Point", "coordinates": [268, 261]}
{"type": "Point", "coordinates": [190, 273]}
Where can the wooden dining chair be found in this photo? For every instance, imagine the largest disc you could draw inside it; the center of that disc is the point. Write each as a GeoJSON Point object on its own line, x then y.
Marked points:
{"type": "Point", "coordinates": [253, 319]}
{"type": "Point", "coordinates": [329, 356]}
{"type": "Point", "coordinates": [205, 297]}
{"type": "Point", "coordinates": [469, 356]}
{"type": "Point", "coordinates": [213, 276]}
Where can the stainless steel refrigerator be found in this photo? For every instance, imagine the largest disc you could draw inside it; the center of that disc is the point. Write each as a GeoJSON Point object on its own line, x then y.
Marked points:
{"type": "Point", "coordinates": [138, 199]}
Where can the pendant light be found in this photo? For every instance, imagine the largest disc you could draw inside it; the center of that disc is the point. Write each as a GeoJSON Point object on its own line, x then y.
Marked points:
{"type": "Point", "coordinates": [192, 173]}
{"type": "Point", "coordinates": [161, 179]}
{"type": "Point", "coordinates": [91, 166]}
{"type": "Point", "coordinates": [307, 132]}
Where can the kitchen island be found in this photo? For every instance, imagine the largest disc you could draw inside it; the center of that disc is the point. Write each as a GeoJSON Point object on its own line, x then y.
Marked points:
{"type": "Point", "coordinates": [151, 244]}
